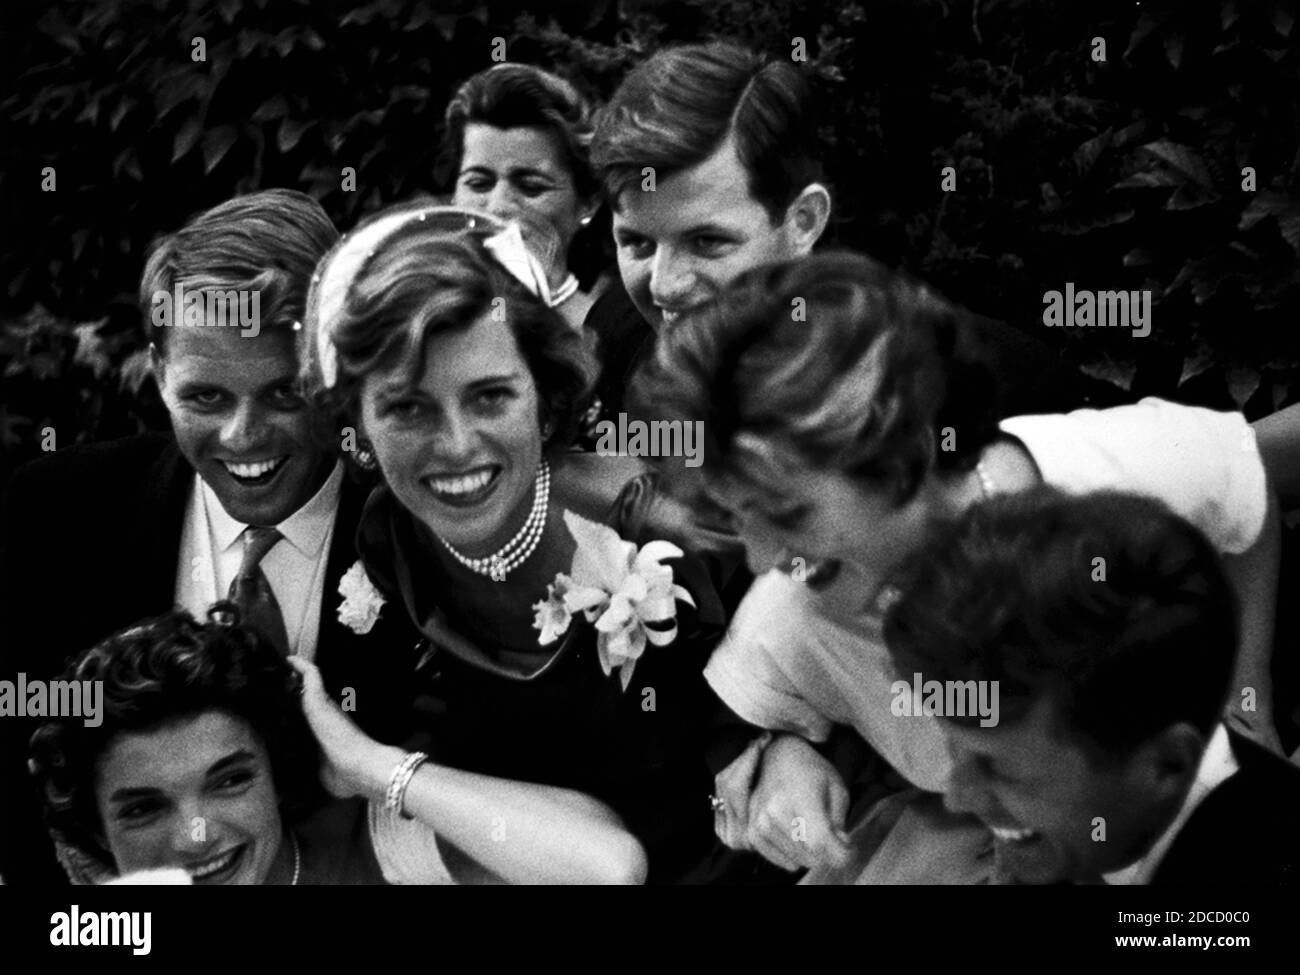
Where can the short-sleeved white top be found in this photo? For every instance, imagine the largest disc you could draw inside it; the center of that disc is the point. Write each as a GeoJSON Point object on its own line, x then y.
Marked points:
{"type": "Point", "coordinates": [784, 666]}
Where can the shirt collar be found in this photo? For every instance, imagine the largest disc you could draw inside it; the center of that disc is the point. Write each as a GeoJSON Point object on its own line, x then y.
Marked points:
{"type": "Point", "coordinates": [305, 529]}
{"type": "Point", "coordinates": [1217, 765]}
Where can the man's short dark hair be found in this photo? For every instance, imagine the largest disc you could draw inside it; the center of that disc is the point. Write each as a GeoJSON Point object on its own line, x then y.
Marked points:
{"type": "Point", "coordinates": [268, 242]}
{"type": "Point", "coordinates": [1108, 602]}
{"type": "Point", "coordinates": [676, 109]}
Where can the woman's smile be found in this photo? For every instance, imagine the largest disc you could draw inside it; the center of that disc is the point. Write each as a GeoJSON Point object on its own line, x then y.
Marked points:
{"type": "Point", "coordinates": [466, 489]}
{"type": "Point", "coordinates": [460, 446]}
{"type": "Point", "coordinates": [217, 869]}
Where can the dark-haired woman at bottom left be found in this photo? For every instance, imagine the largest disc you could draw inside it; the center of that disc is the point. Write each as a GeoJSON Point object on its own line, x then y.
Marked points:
{"type": "Point", "coordinates": [204, 759]}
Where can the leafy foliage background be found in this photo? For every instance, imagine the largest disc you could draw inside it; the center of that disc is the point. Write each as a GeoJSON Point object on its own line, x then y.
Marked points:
{"type": "Point", "coordinates": [1125, 174]}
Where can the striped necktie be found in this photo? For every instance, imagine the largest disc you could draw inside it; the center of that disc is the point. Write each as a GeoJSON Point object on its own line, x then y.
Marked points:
{"type": "Point", "coordinates": [251, 591]}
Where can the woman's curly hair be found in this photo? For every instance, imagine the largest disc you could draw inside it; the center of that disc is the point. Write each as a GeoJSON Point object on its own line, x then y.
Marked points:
{"type": "Point", "coordinates": [433, 274]}
{"type": "Point", "coordinates": [165, 669]}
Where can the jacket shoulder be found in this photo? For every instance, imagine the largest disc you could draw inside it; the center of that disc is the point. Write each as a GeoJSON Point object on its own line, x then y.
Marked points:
{"type": "Point", "coordinates": [87, 483]}
{"type": "Point", "coordinates": [84, 466]}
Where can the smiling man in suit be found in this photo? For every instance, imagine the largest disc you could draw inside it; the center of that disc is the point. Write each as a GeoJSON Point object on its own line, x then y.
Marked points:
{"type": "Point", "coordinates": [1109, 627]}
{"type": "Point", "coordinates": [242, 501]}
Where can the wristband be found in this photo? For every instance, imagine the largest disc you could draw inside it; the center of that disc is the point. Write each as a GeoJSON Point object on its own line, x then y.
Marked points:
{"type": "Point", "coordinates": [400, 779]}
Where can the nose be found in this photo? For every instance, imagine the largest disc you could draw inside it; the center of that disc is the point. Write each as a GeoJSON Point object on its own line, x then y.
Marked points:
{"type": "Point", "coordinates": [672, 279]}
{"type": "Point", "coordinates": [245, 429]}
{"type": "Point", "coordinates": [764, 547]}
{"type": "Point", "coordinates": [191, 833]}
{"type": "Point", "coordinates": [455, 440]}
{"type": "Point", "coordinates": [502, 201]}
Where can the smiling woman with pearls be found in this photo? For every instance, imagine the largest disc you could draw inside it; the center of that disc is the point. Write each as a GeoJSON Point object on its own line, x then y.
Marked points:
{"type": "Point", "coordinates": [432, 332]}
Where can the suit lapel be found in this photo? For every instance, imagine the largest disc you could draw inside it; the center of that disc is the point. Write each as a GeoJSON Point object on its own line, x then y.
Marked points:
{"type": "Point", "coordinates": [1244, 830]}
{"type": "Point", "coordinates": [378, 664]}
{"type": "Point", "coordinates": [332, 637]}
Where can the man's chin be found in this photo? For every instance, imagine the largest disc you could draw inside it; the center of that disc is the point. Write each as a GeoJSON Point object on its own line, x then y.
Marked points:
{"type": "Point", "coordinates": [1035, 862]}
{"type": "Point", "coordinates": [269, 503]}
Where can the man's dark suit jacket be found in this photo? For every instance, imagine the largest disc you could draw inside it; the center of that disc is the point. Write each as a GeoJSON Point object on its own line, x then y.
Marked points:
{"type": "Point", "coordinates": [1246, 832]}
{"type": "Point", "coordinates": [91, 540]}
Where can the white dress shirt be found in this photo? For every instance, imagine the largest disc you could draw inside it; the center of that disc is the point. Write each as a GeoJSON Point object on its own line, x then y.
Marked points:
{"type": "Point", "coordinates": [212, 547]}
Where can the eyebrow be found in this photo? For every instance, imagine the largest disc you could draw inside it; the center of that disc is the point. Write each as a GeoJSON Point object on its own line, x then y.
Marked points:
{"type": "Point", "coordinates": [713, 229]}
{"type": "Point", "coordinates": [233, 759]}
{"type": "Point", "coordinates": [199, 382]}
{"type": "Point", "coordinates": [517, 171]}
{"type": "Point", "coordinates": [509, 377]}
{"type": "Point", "coordinates": [398, 389]}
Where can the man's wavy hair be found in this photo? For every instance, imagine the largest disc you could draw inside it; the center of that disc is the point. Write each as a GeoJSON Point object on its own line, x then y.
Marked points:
{"type": "Point", "coordinates": [434, 275]}
{"type": "Point", "coordinates": [1126, 646]}
{"type": "Point", "coordinates": [167, 669]}
{"type": "Point", "coordinates": [677, 108]}
{"type": "Point", "coordinates": [267, 242]}
{"type": "Point", "coordinates": [848, 365]}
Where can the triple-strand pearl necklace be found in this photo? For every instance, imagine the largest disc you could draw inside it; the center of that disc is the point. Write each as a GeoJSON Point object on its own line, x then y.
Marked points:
{"type": "Point", "coordinates": [515, 552]}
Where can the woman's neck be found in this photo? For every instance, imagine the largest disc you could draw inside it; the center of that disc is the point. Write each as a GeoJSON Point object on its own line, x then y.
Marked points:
{"type": "Point", "coordinates": [501, 613]}
{"type": "Point", "coordinates": [281, 872]}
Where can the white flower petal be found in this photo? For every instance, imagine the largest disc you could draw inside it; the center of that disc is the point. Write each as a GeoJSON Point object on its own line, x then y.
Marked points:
{"type": "Point", "coordinates": [584, 598]}
{"type": "Point", "coordinates": [602, 558]}
{"type": "Point", "coordinates": [634, 588]}
{"type": "Point", "coordinates": [660, 638]}
{"type": "Point", "coordinates": [602, 654]}
{"type": "Point", "coordinates": [619, 614]}
{"type": "Point", "coordinates": [625, 674]}
{"type": "Point", "coordinates": [657, 608]}
{"type": "Point", "coordinates": [652, 553]}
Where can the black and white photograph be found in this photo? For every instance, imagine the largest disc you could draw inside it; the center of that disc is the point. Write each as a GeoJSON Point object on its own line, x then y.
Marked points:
{"type": "Point", "coordinates": [756, 443]}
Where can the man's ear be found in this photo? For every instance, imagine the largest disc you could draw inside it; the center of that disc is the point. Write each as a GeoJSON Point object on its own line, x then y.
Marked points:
{"type": "Point", "coordinates": [1170, 760]}
{"type": "Point", "coordinates": [158, 363]}
{"type": "Point", "coordinates": [807, 217]}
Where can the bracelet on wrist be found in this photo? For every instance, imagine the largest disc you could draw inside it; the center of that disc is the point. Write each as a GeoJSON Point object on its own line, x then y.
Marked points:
{"type": "Point", "coordinates": [395, 797]}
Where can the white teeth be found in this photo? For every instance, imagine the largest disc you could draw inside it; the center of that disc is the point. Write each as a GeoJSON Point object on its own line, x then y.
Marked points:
{"type": "Point", "coordinates": [1012, 835]}
{"type": "Point", "coordinates": [215, 865]}
{"type": "Point", "coordinates": [669, 316]}
{"type": "Point", "coordinates": [254, 470]}
{"type": "Point", "coordinates": [460, 485]}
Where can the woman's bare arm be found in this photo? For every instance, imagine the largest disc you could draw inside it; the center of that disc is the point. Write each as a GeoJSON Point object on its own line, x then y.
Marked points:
{"type": "Point", "coordinates": [521, 832]}
{"type": "Point", "coordinates": [1278, 436]}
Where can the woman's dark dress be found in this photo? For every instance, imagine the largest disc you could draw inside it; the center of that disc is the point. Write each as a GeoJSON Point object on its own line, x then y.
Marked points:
{"type": "Point", "coordinates": [642, 751]}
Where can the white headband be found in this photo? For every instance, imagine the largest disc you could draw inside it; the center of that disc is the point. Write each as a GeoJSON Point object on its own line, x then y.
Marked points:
{"type": "Point", "coordinates": [506, 246]}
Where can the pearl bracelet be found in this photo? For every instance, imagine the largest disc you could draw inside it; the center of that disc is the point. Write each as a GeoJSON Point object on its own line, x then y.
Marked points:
{"type": "Point", "coordinates": [400, 779]}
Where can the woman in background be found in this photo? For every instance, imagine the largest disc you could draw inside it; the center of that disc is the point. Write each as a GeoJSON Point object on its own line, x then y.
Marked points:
{"type": "Point", "coordinates": [518, 139]}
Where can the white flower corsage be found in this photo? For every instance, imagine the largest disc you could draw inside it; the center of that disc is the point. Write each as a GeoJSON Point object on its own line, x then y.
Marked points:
{"type": "Point", "coordinates": [361, 600]}
{"type": "Point", "coordinates": [628, 593]}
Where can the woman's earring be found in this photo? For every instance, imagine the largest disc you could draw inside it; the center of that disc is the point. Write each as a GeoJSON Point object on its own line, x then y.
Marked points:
{"type": "Point", "coordinates": [585, 221]}
{"type": "Point", "coordinates": [546, 430]}
{"type": "Point", "coordinates": [365, 458]}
